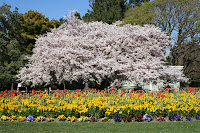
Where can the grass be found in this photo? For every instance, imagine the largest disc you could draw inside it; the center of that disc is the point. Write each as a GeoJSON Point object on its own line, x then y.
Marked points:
{"type": "Point", "coordinates": [44, 127]}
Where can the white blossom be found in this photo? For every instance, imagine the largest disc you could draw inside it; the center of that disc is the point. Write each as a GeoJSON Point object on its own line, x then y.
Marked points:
{"type": "Point", "coordinates": [93, 51]}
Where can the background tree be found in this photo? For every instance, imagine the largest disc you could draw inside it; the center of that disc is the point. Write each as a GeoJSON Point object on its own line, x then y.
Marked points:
{"type": "Point", "coordinates": [78, 15]}
{"type": "Point", "coordinates": [97, 51]}
{"type": "Point", "coordinates": [135, 3]}
{"type": "Point", "coordinates": [107, 11]}
{"type": "Point", "coordinates": [12, 46]}
{"type": "Point", "coordinates": [179, 18]}
{"type": "Point", "coordinates": [36, 24]}
{"type": "Point", "coordinates": [140, 15]}
{"type": "Point", "coordinates": [110, 11]}
{"type": "Point", "coordinates": [191, 59]}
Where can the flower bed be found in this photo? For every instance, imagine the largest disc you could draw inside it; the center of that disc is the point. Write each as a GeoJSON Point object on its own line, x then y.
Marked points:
{"type": "Point", "coordinates": [100, 105]}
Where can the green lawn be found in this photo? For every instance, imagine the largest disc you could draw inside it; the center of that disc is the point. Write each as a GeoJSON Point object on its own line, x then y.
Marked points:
{"type": "Point", "coordinates": [151, 127]}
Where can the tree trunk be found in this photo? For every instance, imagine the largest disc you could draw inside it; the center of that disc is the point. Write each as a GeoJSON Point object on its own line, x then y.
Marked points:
{"type": "Point", "coordinates": [86, 86]}
{"type": "Point", "coordinates": [12, 86]}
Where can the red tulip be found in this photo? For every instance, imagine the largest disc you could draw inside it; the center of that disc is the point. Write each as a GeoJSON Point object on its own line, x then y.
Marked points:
{"type": "Point", "coordinates": [72, 96]}
{"type": "Point", "coordinates": [106, 94]}
{"type": "Point", "coordinates": [24, 97]}
{"type": "Point", "coordinates": [162, 95]}
{"type": "Point", "coordinates": [41, 95]}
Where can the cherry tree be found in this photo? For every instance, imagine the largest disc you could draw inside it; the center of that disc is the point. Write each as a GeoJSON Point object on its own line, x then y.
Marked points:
{"type": "Point", "coordinates": [96, 51]}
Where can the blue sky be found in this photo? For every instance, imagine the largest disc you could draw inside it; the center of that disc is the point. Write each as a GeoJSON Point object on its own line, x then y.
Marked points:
{"type": "Point", "coordinates": [50, 8]}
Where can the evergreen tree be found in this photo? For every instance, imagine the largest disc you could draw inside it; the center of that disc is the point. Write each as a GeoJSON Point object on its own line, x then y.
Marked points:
{"type": "Point", "coordinates": [12, 46]}
{"type": "Point", "coordinates": [107, 11]}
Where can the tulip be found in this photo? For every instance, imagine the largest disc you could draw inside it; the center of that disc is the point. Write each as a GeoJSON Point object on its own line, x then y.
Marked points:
{"type": "Point", "coordinates": [41, 95]}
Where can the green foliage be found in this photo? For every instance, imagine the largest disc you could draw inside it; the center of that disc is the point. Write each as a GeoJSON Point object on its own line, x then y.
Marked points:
{"type": "Point", "coordinates": [107, 11]}
{"type": "Point", "coordinates": [140, 15]}
{"type": "Point", "coordinates": [78, 15]}
{"type": "Point", "coordinates": [36, 24]}
{"type": "Point", "coordinates": [110, 11]}
{"type": "Point", "coordinates": [12, 45]}
{"type": "Point", "coordinates": [134, 3]}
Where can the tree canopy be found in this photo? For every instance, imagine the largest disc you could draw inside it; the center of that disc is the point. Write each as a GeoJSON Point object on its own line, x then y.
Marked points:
{"type": "Point", "coordinates": [107, 11]}
{"type": "Point", "coordinates": [36, 24]}
{"type": "Point", "coordinates": [17, 38]}
{"type": "Point", "coordinates": [179, 18]}
{"type": "Point", "coordinates": [12, 45]}
{"type": "Point", "coordinates": [95, 51]}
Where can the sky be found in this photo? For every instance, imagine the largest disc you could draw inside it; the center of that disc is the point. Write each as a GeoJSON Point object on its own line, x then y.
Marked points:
{"type": "Point", "coordinates": [53, 9]}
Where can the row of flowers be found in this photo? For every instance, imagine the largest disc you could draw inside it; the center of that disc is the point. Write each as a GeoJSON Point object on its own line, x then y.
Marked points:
{"type": "Point", "coordinates": [106, 103]}
{"type": "Point", "coordinates": [138, 118]}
